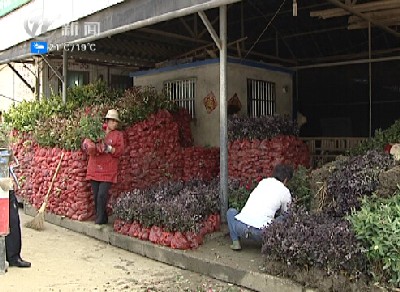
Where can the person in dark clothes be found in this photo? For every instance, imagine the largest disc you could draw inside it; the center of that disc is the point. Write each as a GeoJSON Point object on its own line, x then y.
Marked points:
{"type": "Point", "coordinates": [13, 239]}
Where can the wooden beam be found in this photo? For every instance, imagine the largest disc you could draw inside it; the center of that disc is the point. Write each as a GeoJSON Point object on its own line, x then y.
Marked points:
{"type": "Point", "coordinates": [210, 46]}
{"type": "Point", "coordinates": [300, 34]}
{"type": "Point", "coordinates": [378, 15]}
{"type": "Point", "coordinates": [350, 56]}
{"type": "Point", "coordinates": [283, 11]}
{"type": "Point", "coordinates": [361, 15]}
{"type": "Point", "coordinates": [365, 7]}
{"type": "Point", "coordinates": [173, 35]}
{"type": "Point", "coordinates": [351, 62]}
{"type": "Point", "coordinates": [112, 59]}
{"type": "Point", "coordinates": [270, 57]}
{"type": "Point", "coordinates": [386, 17]}
{"type": "Point", "coordinates": [364, 24]}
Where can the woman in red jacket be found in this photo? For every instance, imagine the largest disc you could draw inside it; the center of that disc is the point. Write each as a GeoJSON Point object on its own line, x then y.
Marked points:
{"type": "Point", "coordinates": [103, 165]}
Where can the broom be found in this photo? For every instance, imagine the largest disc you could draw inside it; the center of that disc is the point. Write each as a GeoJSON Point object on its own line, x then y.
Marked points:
{"type": "Point", "coordinates": [38, 222]}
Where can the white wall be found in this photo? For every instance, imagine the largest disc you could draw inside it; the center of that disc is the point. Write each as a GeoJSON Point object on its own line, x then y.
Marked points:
{"type": "Point", "coordinates": [205, 128]}
{"type": "Point", "coordinates": [237, 82]}
{"type": "Point", "coordinates": [12, 88]}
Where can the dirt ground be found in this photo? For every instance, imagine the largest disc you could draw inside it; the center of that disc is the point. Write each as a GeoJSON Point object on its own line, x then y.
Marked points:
{"type": "Point", "coordinates": [66, 261]}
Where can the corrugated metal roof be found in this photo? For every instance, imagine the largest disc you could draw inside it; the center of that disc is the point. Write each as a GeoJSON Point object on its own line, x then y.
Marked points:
{"type": "Point", "coordinates": [129, 15]}
{"type": "Point", "coordinates": [149, 34]}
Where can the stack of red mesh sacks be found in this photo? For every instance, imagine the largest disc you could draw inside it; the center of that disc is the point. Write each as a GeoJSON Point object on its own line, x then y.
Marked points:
{"type": "Point", "coordinates": [124, 179]}
{"type": "Point", "coordinates": [175, 240]}
{"type": "Point", "coordinates": [160, 151]}
{"type": "Point", "coordinates": [183, 119]}
{"type": "Point", "coordinates": [251, 160]}
{"type": "Point", "coordinates": [201, 163]}
{"type": "Point", "coordinates": [155, 152]}
{"type": "Point", "coordinates": [71, 194]}
{"type": "Point", "coordinates": [24, 150]}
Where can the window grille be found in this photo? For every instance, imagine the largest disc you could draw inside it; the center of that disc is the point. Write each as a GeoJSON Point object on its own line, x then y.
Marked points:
{"type": "Point", "coordinates": [183, 93]}
{"type": "Point", "coordinates": [261, 98]}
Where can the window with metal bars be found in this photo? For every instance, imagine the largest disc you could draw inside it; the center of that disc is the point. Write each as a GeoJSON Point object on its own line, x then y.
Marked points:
{"type": "Point", "coordinates": [182, 92]}
{"type": "Point", "coordinates": [261, 98]}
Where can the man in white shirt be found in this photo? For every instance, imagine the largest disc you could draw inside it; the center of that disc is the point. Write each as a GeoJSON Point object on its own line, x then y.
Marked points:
{"type": "Point", "coordinates": [265, 200]}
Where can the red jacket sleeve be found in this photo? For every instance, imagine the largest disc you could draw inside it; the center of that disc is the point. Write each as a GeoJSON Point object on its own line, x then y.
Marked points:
{"type": "Point", "coordinates": [118, 145]}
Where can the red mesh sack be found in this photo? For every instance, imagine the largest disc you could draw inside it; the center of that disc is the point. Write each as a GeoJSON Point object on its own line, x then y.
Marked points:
{"type": "Point", "coordinates": [155, 234]}
{"type": "Point", "coordinates": [195, 239]}
{"type": "Point", "coordinates": [144, 234]}
{"type": "Point", "coordinates": [166, 238]}
{"type": "Point", "coordinates": [118, 223]}
{"type": "Point", "coordinates": [135, 230]}
{"type": "Point", "coordinates": [179, 241]}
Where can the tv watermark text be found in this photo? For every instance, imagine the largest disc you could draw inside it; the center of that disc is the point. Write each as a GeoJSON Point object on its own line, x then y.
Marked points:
{"type": "Point", "coordinates": [45, 47]}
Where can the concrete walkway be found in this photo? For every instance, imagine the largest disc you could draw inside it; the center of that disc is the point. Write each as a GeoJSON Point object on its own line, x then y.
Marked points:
{"type": "Point", "coordinates": [213, 258]}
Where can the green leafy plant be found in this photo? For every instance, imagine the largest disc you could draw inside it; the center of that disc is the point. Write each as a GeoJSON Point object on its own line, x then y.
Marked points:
{"type": "Point", "coordinates": [377, 226]}
{"type": "Point", "coordinates": [137, 103]}
{"type": "Point", "coordinates": [319, 240]}
{"type": "Point", "coordinates": [265, 127]}
{"type": "Point", "coordinates": [5, 135]}
{"type": "Point", "coordinates": [91, 127]}
{"type": "Point", "coordinates": [54, 124]}
{"type": "Point", "coordinates": [300, 188]}
{"type": "Point", "coordinates": [239, 193]}
{"type": "Point", "coordinates": [48, 132]}
{"type": "Point", "coordinates": [26, 115]}
{"type": "Point", "coordinates": [238, 198]}
{"type": "Point", "coordinates": [380, 140]}
{"type": "Point", "coordinates": [357, 177]}
{"type": "Point", "coordinates": [176, 206]}
{"type": "Point", "coordinates": [93, 94]}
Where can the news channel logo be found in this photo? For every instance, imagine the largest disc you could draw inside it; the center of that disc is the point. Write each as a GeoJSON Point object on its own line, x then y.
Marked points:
{"type": "Point", "coordinates": [39, 47]}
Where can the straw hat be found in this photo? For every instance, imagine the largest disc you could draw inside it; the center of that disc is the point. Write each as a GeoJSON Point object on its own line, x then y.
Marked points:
{"type": "Point", "coordinates": [112, 114]}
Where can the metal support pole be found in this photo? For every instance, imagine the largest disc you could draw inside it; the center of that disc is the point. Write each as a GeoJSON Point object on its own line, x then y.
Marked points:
{"type": "Point", "coordinates": [3, 267]}
{"type": "Point", "coordinates": [21, 77]}
{"type": "Point", "coordinates": [55, 71]}
{"type": "Point", "coordinates": [210, 28]}
{"type": "Point", "coordinates": [65, 77]}
{"type": "Point", "coordinates": [370, 79]}
{"type": "Point", "coordinates": [2, 255]}
{"type": "Point", "coordinates": [37, 79]}
{"type": "Point", "coordinates": [223, 113]}
{"type": "Point", "coordinates": [242, 31]}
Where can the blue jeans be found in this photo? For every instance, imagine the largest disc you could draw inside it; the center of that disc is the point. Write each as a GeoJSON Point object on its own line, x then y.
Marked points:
{"type": "Point", "coordinates": [238, 229]}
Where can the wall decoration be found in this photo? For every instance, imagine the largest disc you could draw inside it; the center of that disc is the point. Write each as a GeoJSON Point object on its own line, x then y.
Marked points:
{"type": "Point", "coordinates": [234, 105]}
{"type": "Point", "coordinates": [210, 102]}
